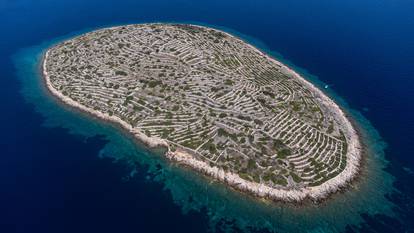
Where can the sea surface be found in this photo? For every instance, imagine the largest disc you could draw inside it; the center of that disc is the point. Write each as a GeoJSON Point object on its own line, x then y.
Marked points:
{"type": "Point", "coordinates": [63, 171]}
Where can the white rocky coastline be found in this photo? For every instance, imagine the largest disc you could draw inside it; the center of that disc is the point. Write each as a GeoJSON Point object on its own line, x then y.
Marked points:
{"type": "Point", "coordinates": [288, 195]}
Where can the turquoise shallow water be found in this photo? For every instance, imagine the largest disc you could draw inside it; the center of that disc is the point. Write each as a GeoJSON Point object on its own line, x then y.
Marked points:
{"type": "Point", "coordinates": [225, 208]}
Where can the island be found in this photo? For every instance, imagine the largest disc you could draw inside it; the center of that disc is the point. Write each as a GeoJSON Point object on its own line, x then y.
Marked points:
{"type": "Point", "coordinates": [215, 103]}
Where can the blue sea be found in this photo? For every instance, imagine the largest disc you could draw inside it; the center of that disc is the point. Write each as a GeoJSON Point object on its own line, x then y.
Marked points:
{"type": "Point", "coordinates": [63, 171]}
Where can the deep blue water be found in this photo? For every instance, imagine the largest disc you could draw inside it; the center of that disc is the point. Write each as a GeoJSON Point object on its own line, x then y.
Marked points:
{"type": "Point", "coordinates": [57, 168]}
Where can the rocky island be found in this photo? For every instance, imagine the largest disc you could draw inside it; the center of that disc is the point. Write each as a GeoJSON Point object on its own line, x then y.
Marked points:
{"type": "Point", "coordinates": [218, 104]}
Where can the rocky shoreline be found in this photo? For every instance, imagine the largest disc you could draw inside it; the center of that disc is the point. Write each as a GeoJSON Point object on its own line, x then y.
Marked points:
{"type": "Point", "coordinates": [181, 156]}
